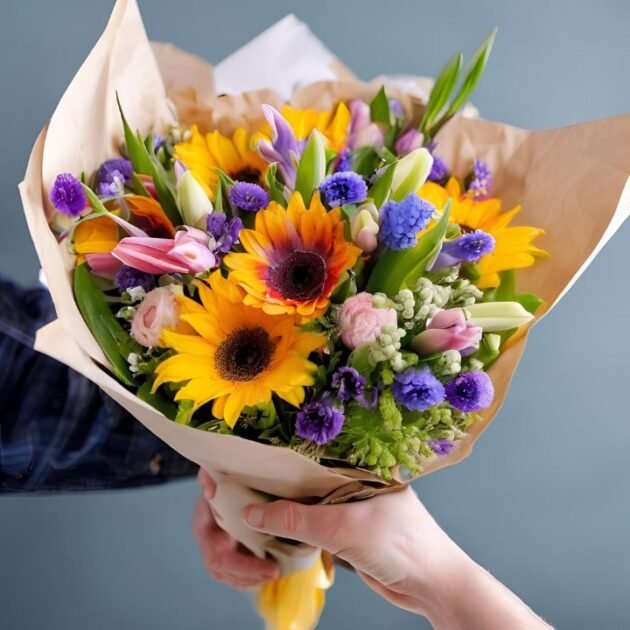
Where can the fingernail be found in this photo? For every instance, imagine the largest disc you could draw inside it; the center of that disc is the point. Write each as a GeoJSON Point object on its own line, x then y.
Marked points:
{"type": "Point", "coordinates": [254, 516]}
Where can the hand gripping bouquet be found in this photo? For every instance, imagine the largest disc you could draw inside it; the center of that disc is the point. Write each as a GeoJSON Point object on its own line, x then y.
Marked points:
{"type": "Point", "coordinates": [312, 293]}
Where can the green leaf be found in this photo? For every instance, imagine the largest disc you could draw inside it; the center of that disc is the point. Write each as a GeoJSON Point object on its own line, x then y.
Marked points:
{"type": "Point", "coordinates": [107, 330]}
{"type": "Point", "coordinates": [135, 147]}
{"type": "Point", "coordinates": [359, 359]}
{"type": "Point", "coordinates": [395, 270]}
{"type": "Point", "coordinates": [382, 188]}
{"type": "Point", "coordinates": [276, 189]}
{"type": "Point", "coordinates": [157, 400]}
{"type": "Point", "coordinates": [442, 90]}
{"type": "Point", "coordinates": [506, 292]}
{"type": "Point", "coordinates": [380, 110]}
{"type": "Point", "coordinates": [184, 412]}
{"type": "Point", "coordinates": [139, 187]}
{"type": "Point", "coordinates": [475, 71]}
{"type": "Point", "coordinates": [366, 161]}
{"type": "Point", "coordinates": [97, 204]}
{"type": "Point", "coordinates": [312, 167]}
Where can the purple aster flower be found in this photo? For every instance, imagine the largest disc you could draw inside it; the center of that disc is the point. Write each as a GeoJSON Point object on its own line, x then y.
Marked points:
{"type": "Point", "coordinates": [417, 389]}
{"type": "Point", "coordinates": [343, 187]}
{"type": "Point", "coordinates": [128, 278]}
{"type": "Point", "coordinates": [67, 195]}
{"type": "Point", "coordinates": [350, 385]}
{"type": "Point", "coordinates": [283, 148]}
{"type": "Point", "coordinates": [441, 447]}
{"type": "Point", "coordinates": [249, 197]}
{"type": "Point", "coordinates": [224, 231]}
{"type": "Point", "coordinates": [344, 162]}
{"type": "Point", "coordinates": [319, 421]}
{"type": "Point", "coordinates": [480, 179]}
{"type": "Point", "coordinates": [467, 248]}
{"type": "Point", "coordinates": [401, 221]}
{"type": "Point", "coordinates": [111, 177]}
{"type": "Point", "coordinates": [471, 391]}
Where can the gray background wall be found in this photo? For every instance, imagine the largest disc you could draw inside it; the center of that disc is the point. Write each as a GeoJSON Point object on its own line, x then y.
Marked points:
{"type": "Point", "coordinates": [544, 501]}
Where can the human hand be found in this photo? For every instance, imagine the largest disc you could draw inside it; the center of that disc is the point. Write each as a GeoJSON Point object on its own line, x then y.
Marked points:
{"type": "Point", "coordinates": [224, 558]}
{"type": "Point", "coordinates": [399, 550]}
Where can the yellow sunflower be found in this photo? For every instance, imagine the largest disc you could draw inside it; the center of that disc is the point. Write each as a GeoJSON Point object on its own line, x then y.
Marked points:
{"type": "Point", "coordinates": [203, 154]}
{"type": "Point", "coordinates": [294, 258]}
{"type": "Point", "coordinates": [238, 356]}
{"type": "Point", "coordinates": [513, 249]}
{"type": "Point", "coordinates": [333, 124]}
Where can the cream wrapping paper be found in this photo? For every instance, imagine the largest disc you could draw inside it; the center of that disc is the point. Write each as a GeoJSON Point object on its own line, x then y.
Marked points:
{"type": "Point", "coordinates": [573, 182]}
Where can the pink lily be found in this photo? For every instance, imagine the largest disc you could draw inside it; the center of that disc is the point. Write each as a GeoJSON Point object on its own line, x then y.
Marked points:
{"type": "Point", "coordinates": [188, 252]}
{"type": "Point", "coordinates": [103, 265]}
{"type": "Point", "coordinates": [448, 330]}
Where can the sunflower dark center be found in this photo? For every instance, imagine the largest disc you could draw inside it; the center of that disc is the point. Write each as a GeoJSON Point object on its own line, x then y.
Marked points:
{"type": "Point", "coordinates": [244, 354]}
{"type": "Point", "coordinates": [299, 276]}
{"type": "Point", "coordinates": [248, 174]}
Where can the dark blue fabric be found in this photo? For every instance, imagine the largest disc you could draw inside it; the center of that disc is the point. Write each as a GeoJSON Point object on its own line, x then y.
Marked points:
{"type": "Point", "coordinates": [58, 431]}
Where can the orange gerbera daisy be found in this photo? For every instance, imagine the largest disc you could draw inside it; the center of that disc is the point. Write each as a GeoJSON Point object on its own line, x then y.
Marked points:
{"type": "Point", "coordinates": [294, 258]}
{"type": "Point", "coordinates": [513, 248]}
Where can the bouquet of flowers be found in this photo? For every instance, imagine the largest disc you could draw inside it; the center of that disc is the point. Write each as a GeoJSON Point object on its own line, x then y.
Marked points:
{"type": "Point", "coordinates": [313, 295]}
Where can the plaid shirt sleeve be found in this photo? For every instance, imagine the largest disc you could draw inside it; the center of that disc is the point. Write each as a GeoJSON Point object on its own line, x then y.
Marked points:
{"type": "Point", "coordinates": [58, 431]}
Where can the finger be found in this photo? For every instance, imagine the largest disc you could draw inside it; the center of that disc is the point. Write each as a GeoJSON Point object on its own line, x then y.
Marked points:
{"type": "Point", "coordinates": [316, 525]}
{"type": "Point", "coordinates": [207, 483]}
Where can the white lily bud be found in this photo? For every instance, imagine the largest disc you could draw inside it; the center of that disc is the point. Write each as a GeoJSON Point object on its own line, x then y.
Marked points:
{"type": "Point", "coordinates": [411, 172]}
{"type": "Point", "coordinates": [192, 201]}
{"type": "Point", "coordinates": [497, 316]}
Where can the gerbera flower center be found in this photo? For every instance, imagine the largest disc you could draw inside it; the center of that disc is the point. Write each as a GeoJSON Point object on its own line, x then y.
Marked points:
{"type": "Point", "coordinates": [299, 276]}
{"type": "Point", "coordinates": [248, 174]}
{"type": "Point", "coordinates": [244, 354]}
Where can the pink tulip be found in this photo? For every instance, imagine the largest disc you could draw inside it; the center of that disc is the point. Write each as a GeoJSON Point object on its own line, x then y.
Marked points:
{"type": "Point", "coordinates": [362, 130]}
{"type": "Point", "coordinates": [104, 265]}
{"type": "Point", "coordinates": [188, 252]}
{"type": "Point", "coordinates": [448, 330]}
{"type": "Point", "coordinates": [409, 141]}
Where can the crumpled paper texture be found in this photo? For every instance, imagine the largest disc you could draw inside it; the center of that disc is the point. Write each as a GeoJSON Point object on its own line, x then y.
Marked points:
{"type": "Point", "coordinates": [573, 182]}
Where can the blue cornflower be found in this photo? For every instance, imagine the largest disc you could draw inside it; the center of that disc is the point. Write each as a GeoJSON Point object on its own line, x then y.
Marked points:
{"type": "Point", "coordinates": [67, 195]}
{"type": "Point", "coordinates": [350, 385]}
{"type": "Point", "coordinates": [417, 389]}
{"type": "Point", "coordinates": [344, 162]}
{"type": "Point", "coordinates": [319, 421]}
{"type": "Point", "coordinates": [249, 197]}
{"type": "Point", "coordinates": [471, 391]}
{"type": "Point", "coordinates": [401, 221]}
{"type": "Point", "coordinates": [343, 187]}
{"type": "Point", "coordinates": [128, 278]}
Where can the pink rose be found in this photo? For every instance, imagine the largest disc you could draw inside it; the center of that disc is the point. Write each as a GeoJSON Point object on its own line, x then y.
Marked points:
{"type": "Point", "coordinates": [448, 330]}
{"type": "Point", "coordinates": [158, 310]}
{"type": "Point", "coordinates": [361, 322]}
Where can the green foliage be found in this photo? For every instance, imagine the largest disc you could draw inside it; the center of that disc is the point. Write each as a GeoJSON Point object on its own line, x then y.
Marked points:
{"type": "Point", "coordinates": [276, 189]}
{"type": "Point", "coordinates": [380, 110]}
{"type": "Point", "coordinates": [380, 191]}
{"type": "Point", "coordinates": [506, 292]}
{"type": "Point", "coordinates": [312, 167]}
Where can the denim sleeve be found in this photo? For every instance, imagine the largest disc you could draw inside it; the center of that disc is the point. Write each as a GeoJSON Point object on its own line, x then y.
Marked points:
{"type": "Point", "coordinates": [58, 431]}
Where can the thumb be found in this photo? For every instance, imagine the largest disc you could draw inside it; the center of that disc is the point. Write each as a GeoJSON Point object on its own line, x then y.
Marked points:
{"type": "Point", "coordinates": [315, 525]}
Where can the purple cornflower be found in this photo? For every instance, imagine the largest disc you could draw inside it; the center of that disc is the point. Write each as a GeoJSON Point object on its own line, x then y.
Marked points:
{"type": "Point", "coordinates": [466, 248]}
{"type": "Point", "coordinates": [342, 188]}
{"type": "Point", "coordinates": [401, 221]}
{"type": "Point", "coordinates": [67, 195]}
{"type": "Point", "coordinates": [111, 177]}
{"type": "Point", "coordinates": [319, 421]}
{"type": "Point", "coordinates": [441, 447]}
{"type": "Point", "coordinates": [249, 197]}
{"type": "Point", "coordinates": [439, 170]}
{"type": "Point", "coordinates": [350, 385]}
{"type": "Point", "coordinates": [344, 162]}
{"type": "Point", "coordinates": [417, 389]}
{"type": "Point", "coordinates": [224, 231]}
{"type": "Point", "coordinates": [471, 391]}
{"type": "Point", "coordinates": [480, 179]}
{"type": "Point", "coordinates": [128, 278]}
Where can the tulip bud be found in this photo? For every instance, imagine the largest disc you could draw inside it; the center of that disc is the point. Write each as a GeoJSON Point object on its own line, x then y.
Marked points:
{"type": "Point", "coordinates": [364, 228]}
{"type": "Point", "coordinates": [448, 330]}
{"type": "Point", "coordinates": [411, 172]}
{"type": "Point", "coordinates": [192, 201]}
{"type": "Point", "coordinates": [498, 316]}
{"type": "Point", "coordinates": [409, 141]}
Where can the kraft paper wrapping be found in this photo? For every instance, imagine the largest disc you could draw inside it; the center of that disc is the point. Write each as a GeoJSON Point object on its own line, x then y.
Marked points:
{"type": "Point", "coordinates": [573, 182]}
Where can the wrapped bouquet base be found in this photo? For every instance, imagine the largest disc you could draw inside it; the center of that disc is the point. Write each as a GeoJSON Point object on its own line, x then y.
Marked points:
{"type": "Point", "coordinates": [572, 183]}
